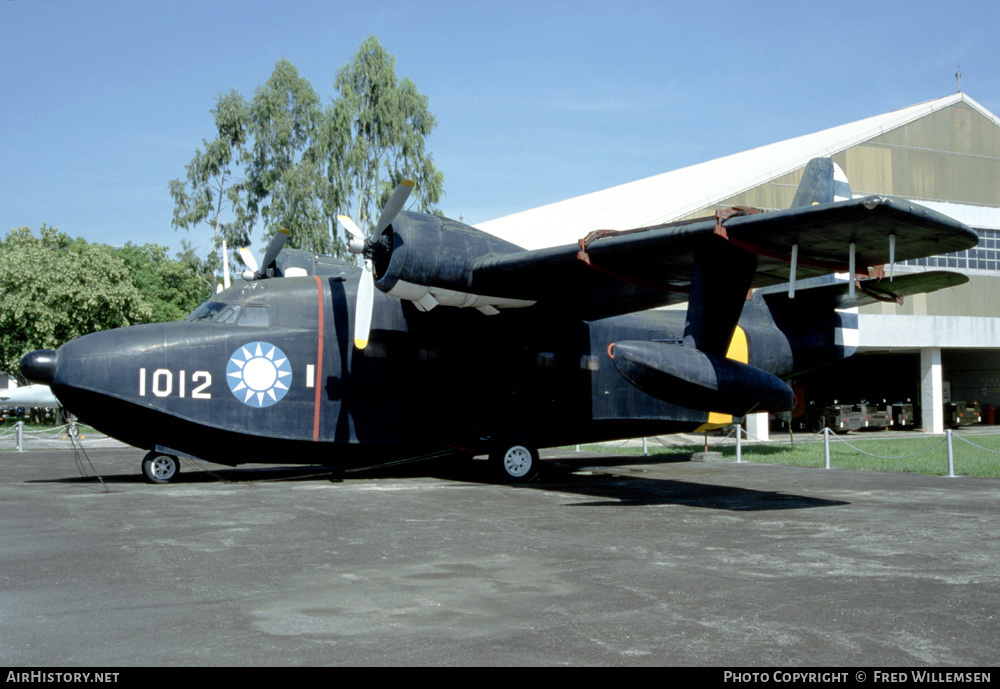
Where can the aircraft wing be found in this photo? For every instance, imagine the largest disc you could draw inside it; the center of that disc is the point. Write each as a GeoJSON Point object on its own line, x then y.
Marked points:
{"type": "Point", "coordinates": [28, 396]}
{"type": "Point", "coordinates": [614, 272]}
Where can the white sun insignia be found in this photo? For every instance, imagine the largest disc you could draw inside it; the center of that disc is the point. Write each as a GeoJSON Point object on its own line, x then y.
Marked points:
{"type": "Point", "coordinates": [259, 374]}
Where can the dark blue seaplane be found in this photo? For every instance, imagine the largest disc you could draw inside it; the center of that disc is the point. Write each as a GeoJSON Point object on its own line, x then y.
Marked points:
{"type": "Point", "coordinates": [451, 339]}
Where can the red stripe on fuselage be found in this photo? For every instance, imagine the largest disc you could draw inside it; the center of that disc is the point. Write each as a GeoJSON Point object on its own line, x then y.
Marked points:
{"type": "Point", "coordinates": [319, 357]}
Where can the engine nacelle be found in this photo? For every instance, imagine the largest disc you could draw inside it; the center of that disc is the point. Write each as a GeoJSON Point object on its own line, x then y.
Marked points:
{"type": "Point", "coordinates": [428, 259]}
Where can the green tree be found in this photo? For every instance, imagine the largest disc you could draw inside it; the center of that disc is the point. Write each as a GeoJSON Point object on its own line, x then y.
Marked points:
{"type": "Point", "coordinates": [172, 289]}
{"type": "Point", "coordinates": [376, 133]}
{"type": "Point", "coordinates": [213, 179]}
{"type": "Point", "coordinates": [54, 288]}
{"type": "Point", "coordinates": [206, 269]}
{"type": "Point", "coordinates": [285, 173]}
{"type": "Point", "coordinates": [283, 160]}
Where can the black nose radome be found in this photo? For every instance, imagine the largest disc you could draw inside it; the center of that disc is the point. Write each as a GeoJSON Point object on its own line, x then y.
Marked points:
{"type": "Point", "coordinates": [39, 366]}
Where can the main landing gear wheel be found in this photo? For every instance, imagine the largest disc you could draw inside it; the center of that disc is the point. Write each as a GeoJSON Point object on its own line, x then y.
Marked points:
{"type": "Point", "coordinates": [160, 468]}
{"type": "Point", "coordinates": [515, 460]}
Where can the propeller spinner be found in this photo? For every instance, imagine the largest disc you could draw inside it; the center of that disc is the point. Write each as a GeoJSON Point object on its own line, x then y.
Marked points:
{"type": "Point", "coordinates": [359, 244]}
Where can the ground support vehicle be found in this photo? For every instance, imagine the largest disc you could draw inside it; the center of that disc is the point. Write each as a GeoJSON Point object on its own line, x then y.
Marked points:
{"type": "Point", "coordinates": [958, 414]}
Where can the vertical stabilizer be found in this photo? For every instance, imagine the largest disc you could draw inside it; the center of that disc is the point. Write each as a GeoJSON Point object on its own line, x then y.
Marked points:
{"type": "Point", "coordinates": [822, 182]}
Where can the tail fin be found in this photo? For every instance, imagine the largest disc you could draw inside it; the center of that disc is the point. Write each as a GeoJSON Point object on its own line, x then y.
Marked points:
{"type": "Point", "coordinates": [822, 182]}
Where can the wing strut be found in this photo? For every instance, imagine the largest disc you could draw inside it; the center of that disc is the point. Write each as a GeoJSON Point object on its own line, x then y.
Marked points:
{"type": "Point", "coordinates": [720, 283]}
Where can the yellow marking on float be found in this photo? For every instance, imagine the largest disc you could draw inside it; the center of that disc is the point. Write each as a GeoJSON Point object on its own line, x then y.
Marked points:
{"type": "Point", "coordinates": [738, 351]}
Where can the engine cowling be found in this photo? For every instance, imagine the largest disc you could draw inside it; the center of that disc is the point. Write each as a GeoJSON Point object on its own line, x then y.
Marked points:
{"type": "Point", "coordinates": [428, 259]}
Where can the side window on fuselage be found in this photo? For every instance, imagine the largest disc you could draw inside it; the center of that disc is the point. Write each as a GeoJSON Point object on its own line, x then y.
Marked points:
{"type": "Point", "coordinates": [256, 316]}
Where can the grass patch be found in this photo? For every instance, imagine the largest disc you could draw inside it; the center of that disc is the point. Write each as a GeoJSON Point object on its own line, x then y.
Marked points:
{"type": "Point", "coordinates": [974, 455]}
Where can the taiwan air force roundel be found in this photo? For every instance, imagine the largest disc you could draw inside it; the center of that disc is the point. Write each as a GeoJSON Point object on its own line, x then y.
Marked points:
{"type": "Point", "coordinates": [259, 374]}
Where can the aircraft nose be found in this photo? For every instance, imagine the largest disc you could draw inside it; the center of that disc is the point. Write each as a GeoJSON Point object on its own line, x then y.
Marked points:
{"type": "Point", "coordinates": [39, 366]}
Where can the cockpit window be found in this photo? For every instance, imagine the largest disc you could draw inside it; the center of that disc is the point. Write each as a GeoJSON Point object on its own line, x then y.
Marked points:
{"type": "Point", "coordinates": [216, 312]}
{"type": "Point", "coordinates": [207, 311]}
{"type": "Point", "coordinates": [229, 314]}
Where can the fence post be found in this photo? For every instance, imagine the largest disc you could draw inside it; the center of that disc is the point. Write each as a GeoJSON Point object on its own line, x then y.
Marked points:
{"type": "Point", "coordinates": [739, 443]}
{"type": "Point", "coordinates": [951, 455]}
{"type": "Point", "coordinates": [826, 446]}
{"type": "Point", "coordinates": [20, 436]}
{"type": "Point", "coordinates": [645, 448]}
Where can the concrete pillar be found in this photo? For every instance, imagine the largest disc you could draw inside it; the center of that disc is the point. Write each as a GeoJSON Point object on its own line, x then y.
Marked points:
{"type": "Point", "coordinates": [758, 427]}
{"type": "Point", "coordinates": [931, 390]}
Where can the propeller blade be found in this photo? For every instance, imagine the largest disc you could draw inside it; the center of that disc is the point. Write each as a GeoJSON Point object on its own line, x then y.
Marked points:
{"type": "Point", "coordinates": [363, 309]}
{"type": "Point", "coordinates": [395, 205]}
{"type": "Point", "coordinates": [248, 259]}
{"type": "Point", "coordinates": [359, 245]}
{"type": "Point", "coordinates": [356, 244]}
{"type": "Point", "coordinates": [349, 225]}
{"type": "Point", "coordinates": [274, 248]}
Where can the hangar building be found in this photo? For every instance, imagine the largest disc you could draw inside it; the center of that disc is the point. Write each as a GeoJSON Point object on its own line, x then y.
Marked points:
{"type": "Point", "coordinates": [943, 154]}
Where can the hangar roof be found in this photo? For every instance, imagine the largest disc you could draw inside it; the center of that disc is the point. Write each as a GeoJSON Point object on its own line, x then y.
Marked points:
{"type": "Point", "coordinates": [676, 194]}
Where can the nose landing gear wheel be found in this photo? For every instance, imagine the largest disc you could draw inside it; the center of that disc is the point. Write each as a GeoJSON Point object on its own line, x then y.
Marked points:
{"type": "Point", "coordinates": [515, 460]}
{"type": "Point", "coordinates": [160, 468]}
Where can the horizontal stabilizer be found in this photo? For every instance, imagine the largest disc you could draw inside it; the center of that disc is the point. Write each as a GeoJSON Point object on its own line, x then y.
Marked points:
{"type": "Point", "coordinates": [696, 380]}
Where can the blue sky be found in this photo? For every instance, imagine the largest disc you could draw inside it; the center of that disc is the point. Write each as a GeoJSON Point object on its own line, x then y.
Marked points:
{"type": "Point", "coordinates": [105, 101]}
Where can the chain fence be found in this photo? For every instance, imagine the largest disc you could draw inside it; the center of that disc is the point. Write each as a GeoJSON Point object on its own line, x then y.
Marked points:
{"type": "Point", "coordinates": [19, 437]}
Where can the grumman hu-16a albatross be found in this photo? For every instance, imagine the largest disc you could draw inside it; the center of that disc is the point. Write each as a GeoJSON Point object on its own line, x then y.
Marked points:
{"type": "Point", "coordinates": [452, 339]}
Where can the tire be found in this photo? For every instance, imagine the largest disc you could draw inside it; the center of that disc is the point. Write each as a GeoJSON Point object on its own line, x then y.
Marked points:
{"type": "Point", "coordinates": [160, 468]}
{"type": "Point", "coordinates": [515, 460]}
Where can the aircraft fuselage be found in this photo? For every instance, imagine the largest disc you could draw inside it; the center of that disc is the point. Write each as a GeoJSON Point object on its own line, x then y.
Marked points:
{"type": "Point", "coordinates": [266, 372]}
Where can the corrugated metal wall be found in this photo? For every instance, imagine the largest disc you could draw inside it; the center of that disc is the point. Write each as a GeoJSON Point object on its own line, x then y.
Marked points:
{"type": "Point", "coordinates": [950, 155]}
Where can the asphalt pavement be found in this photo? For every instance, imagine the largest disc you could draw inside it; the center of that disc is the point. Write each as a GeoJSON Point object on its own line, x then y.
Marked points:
{"type": "Point", "coordinates": [603, 561]}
